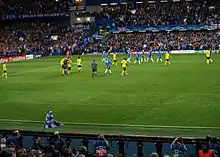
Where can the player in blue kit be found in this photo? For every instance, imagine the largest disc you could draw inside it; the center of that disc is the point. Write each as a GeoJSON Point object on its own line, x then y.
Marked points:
{"type": "Point", "coordinates": [104, 55]}
{"type": "Point", "coordinates": [129, 55]}
{"type": "Point", "coordinates": [137, 58]}
{"type": "Point", "coordinates": [108, 65]}
{"type": "Point", "coordinates": [159, 58]}
{"type": "Point", "coordinates": [143, 56]}
{"type": "Point", "coordinates": [211, 53]}
{"type": "Point", "coordinates": [150, 56]}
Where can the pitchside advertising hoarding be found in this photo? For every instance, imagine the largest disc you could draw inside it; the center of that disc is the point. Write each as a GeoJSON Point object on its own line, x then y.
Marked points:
{"type": "Point", "coordinates": [155, 52]}
{"type": "Point", "coordinates": [16, 58]}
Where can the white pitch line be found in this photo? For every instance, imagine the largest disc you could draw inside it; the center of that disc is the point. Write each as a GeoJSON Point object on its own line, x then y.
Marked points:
{"type": "Point", "coordinates": [115, 125]}
{"type": "Point", "coordinates": [40, 69]}
{"type": "Point", "coordinates": [34, 70]}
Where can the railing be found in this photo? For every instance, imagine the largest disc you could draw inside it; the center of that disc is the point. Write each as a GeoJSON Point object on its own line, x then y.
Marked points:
{"type": "Point", "coordinates": [121, 139]}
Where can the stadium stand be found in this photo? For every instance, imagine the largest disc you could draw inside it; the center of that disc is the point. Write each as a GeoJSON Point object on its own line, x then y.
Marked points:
{"type": "Point", "coordinates": [161, 14]}
{"type": "Point", "coordinates": [38, 38]}
{"type": "Point", "coordinates": [56, 37]}
{"type": "Point", "coordinates": [189, 40]}
{"type": "Point", "coordinates": [29, 7]}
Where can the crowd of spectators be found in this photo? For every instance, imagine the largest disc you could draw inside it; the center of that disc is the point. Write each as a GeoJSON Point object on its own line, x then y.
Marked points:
{"type": "Point", "coordinates": [47, 38]}
{"type": "Point", "coordinates": [56, 146]}
{"type": "Point", "coordinates": [30, 7]}
{"type": "Point", "coordinates": [39, 38]}
{"type": "Point", "coordinates": [131, 14]}
{"type": "Point", "coordinates": [161, 14]}
{"type": "Point", "coordinates": [188, 40]}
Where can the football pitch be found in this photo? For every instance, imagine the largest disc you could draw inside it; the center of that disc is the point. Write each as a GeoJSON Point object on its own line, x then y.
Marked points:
{"type": "Point", "coordinates": [180, 99]}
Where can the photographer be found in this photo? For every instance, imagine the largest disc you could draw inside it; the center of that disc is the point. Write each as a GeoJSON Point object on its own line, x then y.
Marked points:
{"type": "Point", "coordinates": [18, 139]}
{"type": "Point", "coordinates": [58, 142]}
{"type": "Point", "coordinates": [37, 145]}
{"type": "Point", "coordinates": [178, 147]}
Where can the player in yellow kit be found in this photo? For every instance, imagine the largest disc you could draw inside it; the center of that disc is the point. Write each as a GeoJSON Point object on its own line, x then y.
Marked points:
{"type": "Point", "coordinates": [124, 65]}
{"type": "Point", "coordinates": [4, 69]}
{"type": "Point", "coordinates": [79, 65]}
{"type": "Point", "coordinates": [62, 67]}
{"type": "Point", "coordinates": [69, 64]}
{"type": "Point", "coordinates": [208, 56]}
{"type": "Point", "coordinates": [167, 57]}
{"type": "Point", "coordinates": [114, 59]}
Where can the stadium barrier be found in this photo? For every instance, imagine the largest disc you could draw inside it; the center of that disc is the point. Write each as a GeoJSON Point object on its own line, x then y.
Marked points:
{"type": "Point", "coordinates": [120, 139]}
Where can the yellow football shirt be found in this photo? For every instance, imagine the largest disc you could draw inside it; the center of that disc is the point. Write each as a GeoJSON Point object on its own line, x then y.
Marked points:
{"type": "Point", "coordinates": [114, 57]}
{"type": "Point", "coordinates": [69, 63]}
{"type": "Point", "coordinates": [78, 62]}
{"type": "Point", "coordinates": [61, 62]}
{"type": "Point", "coordinates": [167, 55]}
{"type": "Point", "coordinates": [4, 67]}
{"type": "Point", "coordinates": [207, 53]}
{"type": "Point", "coordinates": [123, 63]}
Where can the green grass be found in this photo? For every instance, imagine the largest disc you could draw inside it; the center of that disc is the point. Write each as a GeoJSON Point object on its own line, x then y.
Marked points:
{"type": "Point", "coordinates": [186, 93]}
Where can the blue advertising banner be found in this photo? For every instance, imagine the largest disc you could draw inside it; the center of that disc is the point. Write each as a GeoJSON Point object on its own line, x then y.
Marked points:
{"type": "Point", "coordinates": [165, 28]}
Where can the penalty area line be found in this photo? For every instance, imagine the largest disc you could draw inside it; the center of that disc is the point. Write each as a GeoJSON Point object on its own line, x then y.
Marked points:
{"type": "Point", "coordinates": [114, 125]}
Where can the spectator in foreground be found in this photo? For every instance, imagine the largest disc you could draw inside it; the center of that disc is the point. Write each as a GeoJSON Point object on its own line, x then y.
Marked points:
{"type": "Point", "coordinates": [17, 139]}
{"type": "Point", "coordinates": [214, 145]}
{"type": "Point", "coordinates": [101, 146]}
{"type": "Point", "coordinates": [154, 155]}
{"type": "Point", "coordinates": [206, 152]}
{"type": "Point", "coordinates": [3, 142]}
{"type": "Point", "coordinates": [178, 147]}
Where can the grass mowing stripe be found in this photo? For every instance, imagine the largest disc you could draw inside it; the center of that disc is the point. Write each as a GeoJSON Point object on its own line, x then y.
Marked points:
{"type": "Point", "coordinates": [114, 125]}
{"type": "Point", "coordinates": [42, 69]}
{"type": "Point", "coordinates": [113, 130]}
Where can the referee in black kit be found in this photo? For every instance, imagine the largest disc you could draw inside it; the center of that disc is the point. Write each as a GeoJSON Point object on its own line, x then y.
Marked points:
{"type": "Point", "coordinates": [94, 69]}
